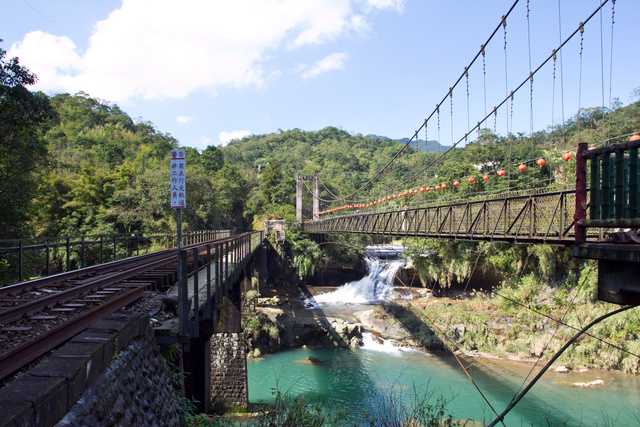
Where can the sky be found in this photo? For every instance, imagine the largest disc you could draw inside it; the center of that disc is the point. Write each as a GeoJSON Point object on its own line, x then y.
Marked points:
{"type": "Point", "coordinates": [209, 71]}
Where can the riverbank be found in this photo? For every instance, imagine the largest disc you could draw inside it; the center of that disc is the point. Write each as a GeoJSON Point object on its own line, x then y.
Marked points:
{"type": "Point", "coordinates": [475, 325]}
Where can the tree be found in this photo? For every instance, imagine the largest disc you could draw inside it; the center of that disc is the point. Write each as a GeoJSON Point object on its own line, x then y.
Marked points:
{"type": "Point", "coordinates": [23, 152]}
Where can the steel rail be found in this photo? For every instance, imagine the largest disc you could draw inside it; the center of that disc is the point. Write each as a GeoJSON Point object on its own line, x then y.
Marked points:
{"type": "Point", "coordinates": [34, 306]}
{"type": "Point", "coordinates": [22, 354]}
{"type": "Point", "coordinates": [83, 272]}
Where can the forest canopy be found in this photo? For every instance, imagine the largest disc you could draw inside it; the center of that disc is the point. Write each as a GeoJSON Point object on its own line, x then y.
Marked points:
{"type": "Point", "coordinates": [73, 165]}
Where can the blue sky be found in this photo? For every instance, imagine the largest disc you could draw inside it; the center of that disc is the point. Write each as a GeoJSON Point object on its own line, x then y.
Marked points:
{"type": "Point", "coordinates": [209, 70]}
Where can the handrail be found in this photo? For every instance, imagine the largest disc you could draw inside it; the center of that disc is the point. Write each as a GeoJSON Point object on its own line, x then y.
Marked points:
{"type": "Point", "coordinates": [21, 259]}
{"type": "Point", "coordinates": [221, 263]}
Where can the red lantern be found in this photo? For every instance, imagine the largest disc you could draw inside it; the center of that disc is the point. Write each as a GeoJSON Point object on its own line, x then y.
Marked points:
{"type": "Point", "coordinates": [437, 187]}
{"type": "Point", "coordinates": [540, 162]}
{"type": "Point", "coordinates": [428, 188]}
{"type": "Point", "coordinates": [406, 192]}
{"type": "Point", "coordinates": [522, 167]}
{"type": "Point", "coordinates": [444, 186]}
{"type": "Point", "coordinates": [500, 172]}
{"type": "Point", "coordinates": [395, 196]}
{"type": "Point", "coordinates": [471, 180]}
{"type": "Point", "coordinates": [375, 203]}
{"type": "Point", "coordinates": [456, 183]}
{"type": "Point", "coordinates": [634, 137]}
{"type": "Point", "coordinates": [485, 177]}
{"type": "Point", "coordinates": [566, 156]}
{"type": "Point", "coordinates": [399, 194]}
{"type": "Point", "coordinates": [422, 189]}
{"type": "Point", "coordinates": [388, 197]}
{"type": "Point", "coordinates": [593, 147]}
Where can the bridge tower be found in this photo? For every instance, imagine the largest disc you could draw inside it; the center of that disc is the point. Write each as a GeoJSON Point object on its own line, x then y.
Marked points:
{"type": "Point", "coordinates": [316, 201]}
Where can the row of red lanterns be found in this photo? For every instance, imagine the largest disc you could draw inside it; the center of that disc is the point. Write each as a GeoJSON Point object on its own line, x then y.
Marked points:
{"type": "Point", "coordinates": [540, 162]}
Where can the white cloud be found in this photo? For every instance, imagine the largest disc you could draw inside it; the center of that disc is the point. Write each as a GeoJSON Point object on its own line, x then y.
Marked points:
{"type": "Point", "coordinates": [360, 25]}
{"type": "Point", "coordinates": [226, 137]}
{"type": "Point", "coordinates": [172, 49]}
{"type": "Point", "coordinates": [397, 5]}
{"type": "Point", "coordinates": [183, 119]}
{"type": "Point", "coordinates": [334, 61]}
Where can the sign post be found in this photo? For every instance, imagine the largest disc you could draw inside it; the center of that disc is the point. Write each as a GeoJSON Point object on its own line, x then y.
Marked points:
{"type": "Point", "coordinates": [178, 201]}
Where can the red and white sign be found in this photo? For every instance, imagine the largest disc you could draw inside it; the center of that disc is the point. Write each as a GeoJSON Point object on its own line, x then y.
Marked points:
{"type": "Point", "coordinates": [178, 182]}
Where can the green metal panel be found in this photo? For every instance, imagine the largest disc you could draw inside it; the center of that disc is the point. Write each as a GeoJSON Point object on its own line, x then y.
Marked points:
{"type": "Point", "coordinates": [633, 183]}
{"type": "Point", "coordinates": [606, 187]}
{"type": "Point", "coordinates": [594, 211]}
{"type": "Point", "coordinates": [625, 209]}
{"type": "Point", "coordinates": [619, 184]}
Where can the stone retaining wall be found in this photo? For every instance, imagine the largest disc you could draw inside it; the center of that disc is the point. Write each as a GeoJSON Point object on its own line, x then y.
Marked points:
{"type": "Point", "coordinates": [109, 375]}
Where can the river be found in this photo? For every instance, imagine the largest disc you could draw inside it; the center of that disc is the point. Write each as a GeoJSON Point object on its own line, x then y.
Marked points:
{"type": "Point", "coordinates": [353, 379]}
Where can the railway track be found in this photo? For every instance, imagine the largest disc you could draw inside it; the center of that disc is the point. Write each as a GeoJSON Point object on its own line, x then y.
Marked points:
{"type": "Point", "coordinates": [40, 314]}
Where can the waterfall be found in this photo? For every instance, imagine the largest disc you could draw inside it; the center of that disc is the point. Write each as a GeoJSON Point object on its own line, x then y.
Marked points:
{"type": "Point", "coordinates": [373, 343]}
{"type": "Point", "coordinates": [376, 286]}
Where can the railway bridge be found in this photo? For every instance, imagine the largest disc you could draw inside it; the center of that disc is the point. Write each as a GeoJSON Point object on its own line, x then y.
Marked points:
{"type": "Point", "coordinates": [61, 332]}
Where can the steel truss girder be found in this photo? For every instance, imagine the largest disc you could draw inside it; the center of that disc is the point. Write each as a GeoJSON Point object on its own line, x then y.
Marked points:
{"type": "Point", "coordinates": [539, 218]}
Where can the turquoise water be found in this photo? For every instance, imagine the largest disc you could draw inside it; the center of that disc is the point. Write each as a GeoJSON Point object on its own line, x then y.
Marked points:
{"type": "Point", "coordinates": [349, 377]}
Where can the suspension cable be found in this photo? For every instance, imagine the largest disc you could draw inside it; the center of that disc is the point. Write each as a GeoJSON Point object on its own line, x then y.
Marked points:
{"type": "Point", "coordinates": [436, 110]}
{"type": "Point", "coordinates": [508, 97]}
{"type": "Point", "coordinates": [553, 359]}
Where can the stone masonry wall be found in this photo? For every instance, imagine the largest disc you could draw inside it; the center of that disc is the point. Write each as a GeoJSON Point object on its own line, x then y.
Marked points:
{"type": "Point", "coordinates": [135, 390]}
{"type": "Point", "coordinates": [228, 371]}
{"type": "Point", "coordinates": [109, 375]}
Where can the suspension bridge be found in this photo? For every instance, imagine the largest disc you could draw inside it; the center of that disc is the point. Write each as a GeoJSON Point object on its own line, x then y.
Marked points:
{"type": "Point", "coordinates": [584, 195]}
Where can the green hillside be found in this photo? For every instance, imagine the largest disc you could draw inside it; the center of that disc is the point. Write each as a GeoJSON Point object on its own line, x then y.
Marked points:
{"type": "Point", "coordinates": [72, 164]}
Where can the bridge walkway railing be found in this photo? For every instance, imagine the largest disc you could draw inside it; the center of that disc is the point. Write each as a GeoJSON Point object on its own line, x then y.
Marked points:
{"type": "Point", "coordinates": [216, 269]}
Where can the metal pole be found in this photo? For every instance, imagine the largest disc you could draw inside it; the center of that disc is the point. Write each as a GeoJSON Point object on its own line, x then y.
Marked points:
{"type": "Point", "coordinates": [68, 254]}
{"type": "Point", "coordinates": [183, 291]}
{"type": "Point", "coordinates": [316, 200]}
{"type": "Point", "coordinates": [82, 259]}
{"type": "Point", "coordinates": [196, 291]}
{"type": "Point", "coordinates": [299, 197]}
{"type": "Point", "coordinates": [48, 265]}
{"type": "Point", "coordinates": [20, 259]}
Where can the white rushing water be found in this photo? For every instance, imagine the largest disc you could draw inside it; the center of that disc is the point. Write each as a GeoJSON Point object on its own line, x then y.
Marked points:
{"type": "Point", "coordinates": [373, 343]}
{"type": "Point", "coordinates": [375, 287]}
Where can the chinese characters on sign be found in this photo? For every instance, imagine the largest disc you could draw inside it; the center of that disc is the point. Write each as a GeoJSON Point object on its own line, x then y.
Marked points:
{"type": "Point", "coordinates": [178, 183]}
